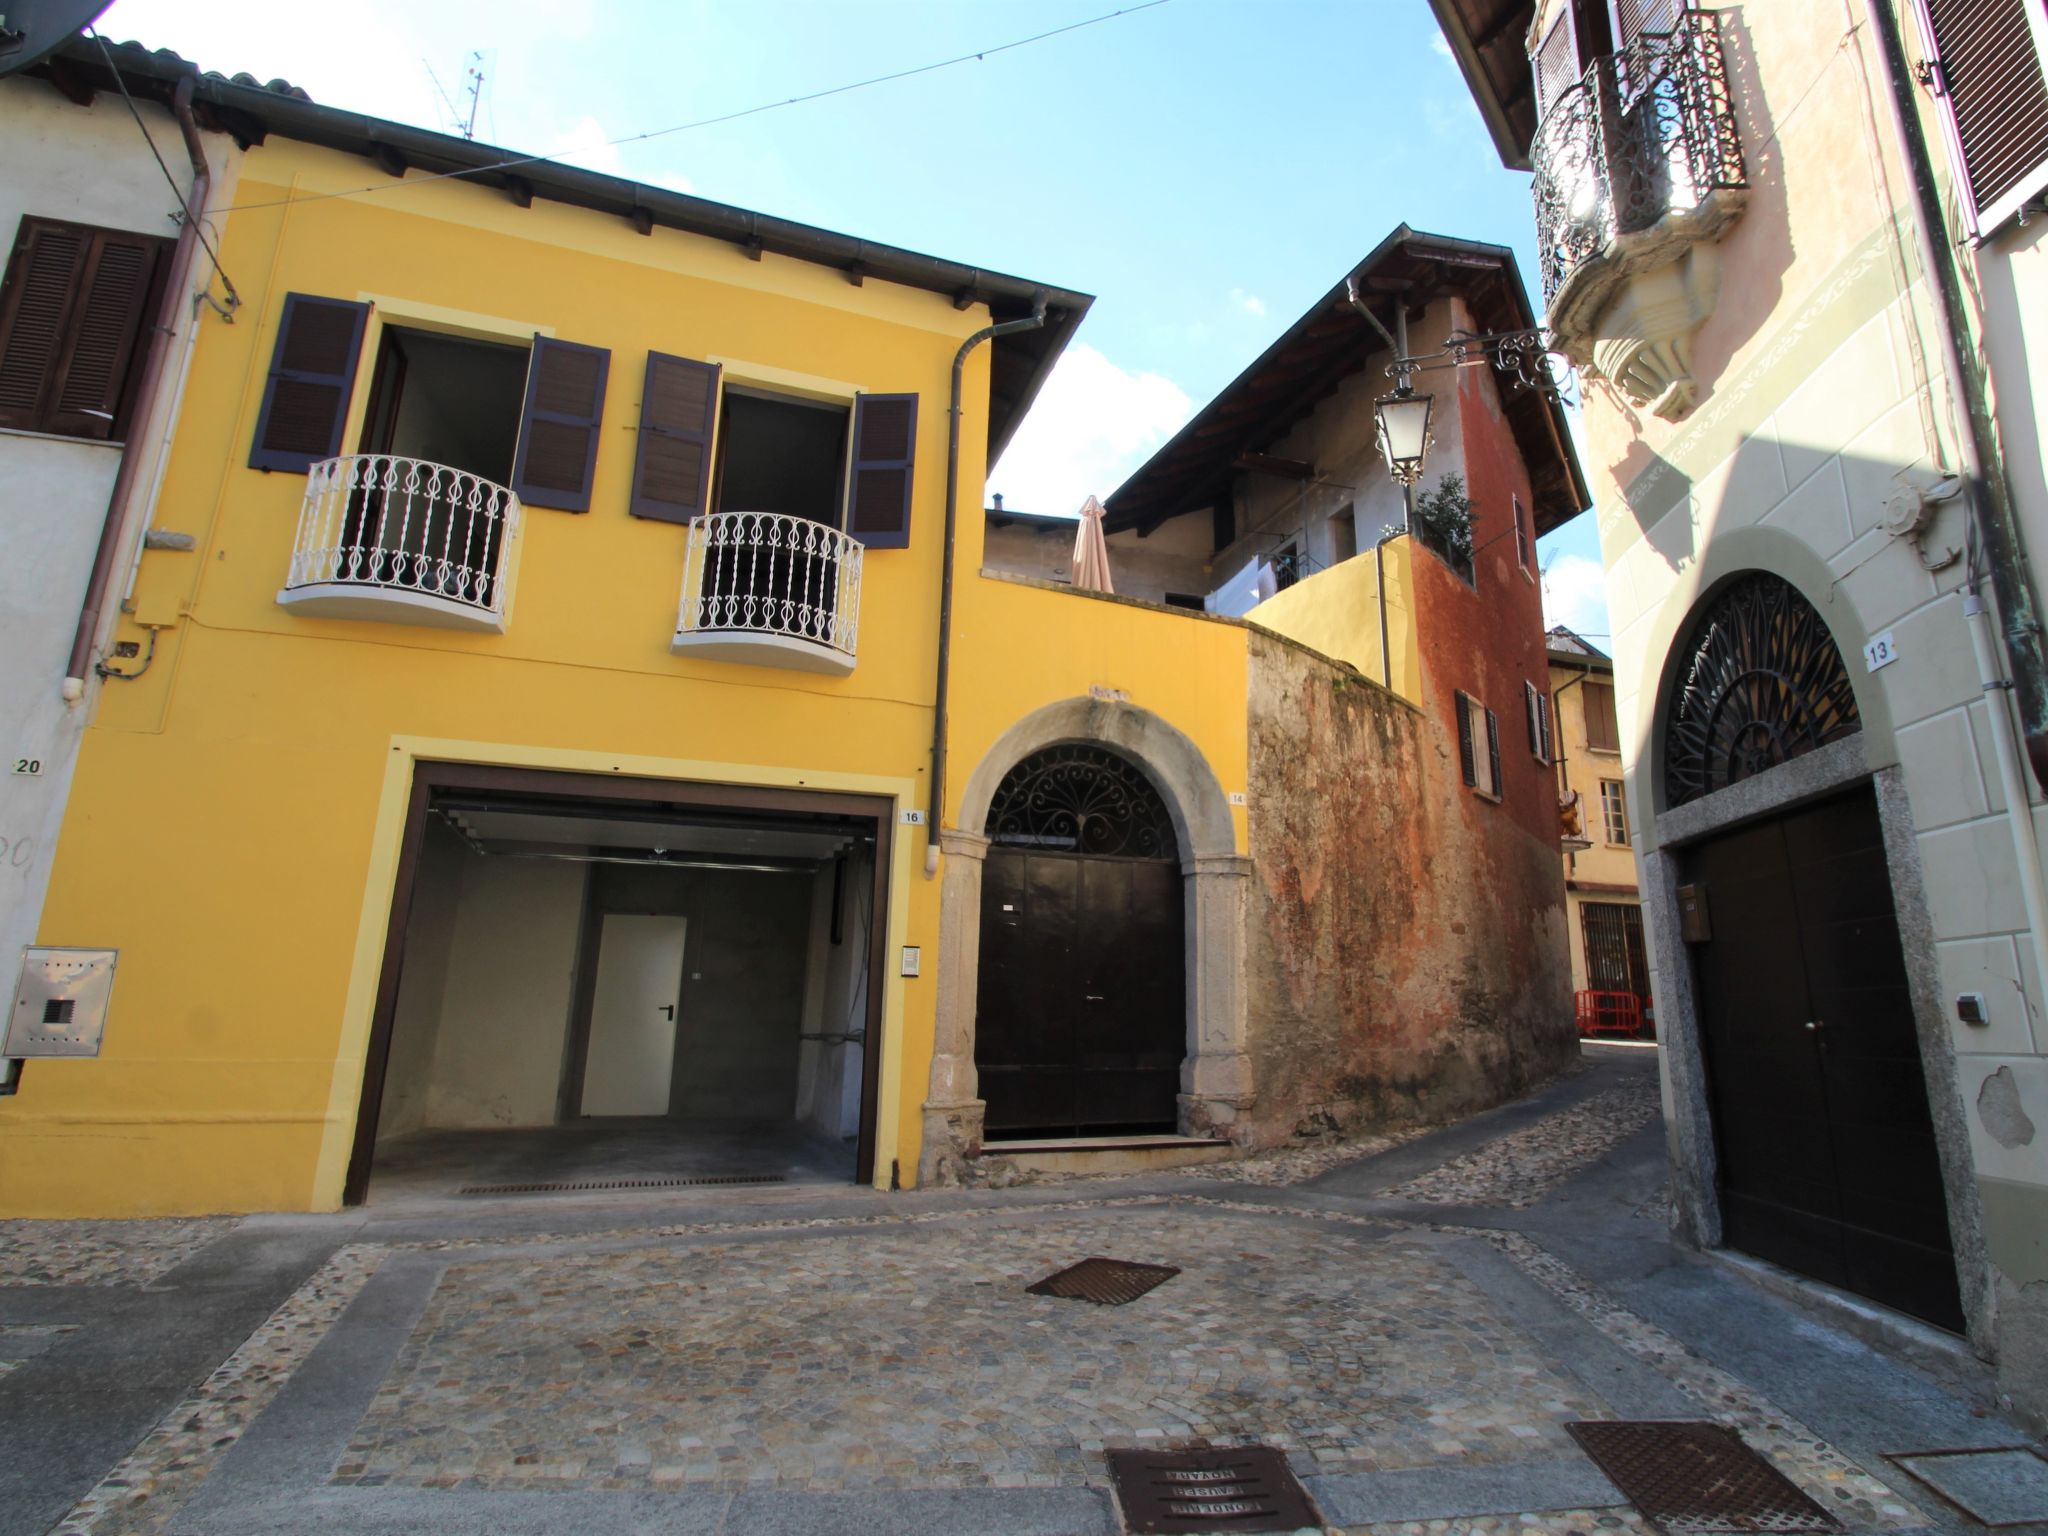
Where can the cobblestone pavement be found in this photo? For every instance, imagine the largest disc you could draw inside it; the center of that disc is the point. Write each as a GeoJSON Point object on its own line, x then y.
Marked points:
{"type": "Point", "coordinates": [1521, 1168]}
{"type": "Point", "coordinates": [99, 1252]}
{"type": "Point", "coordinates": [1419, 1373]}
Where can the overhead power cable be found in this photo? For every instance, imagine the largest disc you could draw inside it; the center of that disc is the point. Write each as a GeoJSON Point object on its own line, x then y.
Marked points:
{"type": "Point", "coordinates": [197, 216]}
{"type": "Point", "coordinates": [706, 122]}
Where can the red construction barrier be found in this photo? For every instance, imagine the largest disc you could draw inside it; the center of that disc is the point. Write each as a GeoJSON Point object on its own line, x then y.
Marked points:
{"type": "Point", "coordinates": [1608, 1013]}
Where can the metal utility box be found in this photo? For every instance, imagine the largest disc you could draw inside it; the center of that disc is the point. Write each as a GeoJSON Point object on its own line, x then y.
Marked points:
{"type": "Point", "coordinates": [60, 1003]}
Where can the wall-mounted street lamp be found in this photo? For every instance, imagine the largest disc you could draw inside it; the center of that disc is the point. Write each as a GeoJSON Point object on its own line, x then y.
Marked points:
{"type": "Point", "coordinates": [1404, 430]}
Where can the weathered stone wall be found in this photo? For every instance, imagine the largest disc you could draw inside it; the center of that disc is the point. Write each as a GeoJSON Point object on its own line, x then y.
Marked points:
{"type": "Point", "coordinates": [1406, 952]}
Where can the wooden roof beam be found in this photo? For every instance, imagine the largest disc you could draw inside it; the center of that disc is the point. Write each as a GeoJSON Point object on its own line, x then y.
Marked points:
{"type": "Point", "coordinates": [1271, 464]}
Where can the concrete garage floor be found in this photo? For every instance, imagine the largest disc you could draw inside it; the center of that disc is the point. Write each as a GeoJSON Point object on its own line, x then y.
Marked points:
{"type": "Point", "coordinates": [1412, 1327]}
{"type": "Point", "coordinates": [432, 1166]}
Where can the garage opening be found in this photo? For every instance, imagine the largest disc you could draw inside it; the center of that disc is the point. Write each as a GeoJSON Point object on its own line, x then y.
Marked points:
{"type": "Point", "coordinates": [674, 984]}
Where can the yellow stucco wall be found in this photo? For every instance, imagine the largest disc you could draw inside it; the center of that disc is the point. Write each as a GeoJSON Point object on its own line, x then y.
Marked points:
{"type": "Point", "coordinates": [1337, 611]}
{"type": "Point", "coordinates": [235, 826]}
{"type": "Point", "coordinates": [231, 830]}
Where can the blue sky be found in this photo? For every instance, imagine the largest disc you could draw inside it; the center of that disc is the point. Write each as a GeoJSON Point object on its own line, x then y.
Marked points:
{"type": "Point", "coordinates": [1207, 168]}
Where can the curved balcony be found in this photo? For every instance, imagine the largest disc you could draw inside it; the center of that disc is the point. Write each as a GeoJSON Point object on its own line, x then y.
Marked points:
{"type": "Point", "coordinates": [769, 589]}
{"type": "Point", "coordinates": [1638, 171]}
{"type": "Point", "coordinates": [402, 540]}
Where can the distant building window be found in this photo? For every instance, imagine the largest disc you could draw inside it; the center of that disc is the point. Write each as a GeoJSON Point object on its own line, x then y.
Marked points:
{"type": "Point", "coordinates": [74, 313]}
{"type": "Point", "coordinates": [1191, 600]}
{"type": "Point", "coordinates": [1603, 734]}
{"type": "Point", "coordinates": [1614, 811]}
{"type": "Point", "coordinates": [1343, 536]}
{"type": "Point", "coordinates": [1522, 548]}
{"type": "Point", "coordinates": [1286, 568]}
{"type": "Point", "coordinates": [1478, 745]}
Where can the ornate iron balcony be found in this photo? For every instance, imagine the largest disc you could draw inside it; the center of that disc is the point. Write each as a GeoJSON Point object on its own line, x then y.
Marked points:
{"type": "Point", "coordinates": [404, 540]}
{"type": "Point", "coordinates": [770, 589]}
{"type": "Point", "coordinates": [1638, 160]}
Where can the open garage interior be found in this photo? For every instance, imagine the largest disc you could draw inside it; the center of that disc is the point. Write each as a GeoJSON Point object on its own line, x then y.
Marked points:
{"type": "Point", "coordinates": [617, 992]}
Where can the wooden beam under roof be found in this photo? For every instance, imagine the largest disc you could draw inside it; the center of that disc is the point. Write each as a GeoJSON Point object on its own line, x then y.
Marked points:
{"type": "Point", "coordinates": [1272, 464]}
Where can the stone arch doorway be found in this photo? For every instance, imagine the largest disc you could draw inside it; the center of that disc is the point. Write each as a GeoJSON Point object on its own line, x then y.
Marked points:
{"type": "Point", "coordinates": [1215, 1087]}
{"type": "Point", "coordinates": [1809, 1048]}
{"type": "Point", "coordinates": [1080, 1012]}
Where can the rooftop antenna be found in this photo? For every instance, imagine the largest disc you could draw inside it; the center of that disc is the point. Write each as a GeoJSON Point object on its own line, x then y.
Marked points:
{"type": "Point", "coordinates": [462, 119]}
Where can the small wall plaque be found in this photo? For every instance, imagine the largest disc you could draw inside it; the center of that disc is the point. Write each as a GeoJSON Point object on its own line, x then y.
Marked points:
{"type": "Point", "coordinates": [60, 1003]}
{"type": "Point", "coordinates": [1695, 923]}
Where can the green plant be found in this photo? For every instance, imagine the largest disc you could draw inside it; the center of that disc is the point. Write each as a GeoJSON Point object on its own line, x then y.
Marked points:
{"type": "Point", "coordinates": [1443, 521]}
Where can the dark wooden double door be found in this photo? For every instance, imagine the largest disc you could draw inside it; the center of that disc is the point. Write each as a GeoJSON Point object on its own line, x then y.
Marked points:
{"type": "Point", "coordinates": [1081, 1016]}
{"type": "Point", "coordinates": [1828, 1162]}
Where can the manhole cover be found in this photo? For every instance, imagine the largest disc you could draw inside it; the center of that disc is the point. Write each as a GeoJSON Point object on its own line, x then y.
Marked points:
{"type": "Point", "coordinates": [1689, 1477]}
{"type": "Point", "coordinates": [1244, 1488]}
{"type": "Point", "coordinates": [1999, 1485]}
{"type": "Point", "coordinates": [1108, 1282]}
{"type": "Point", "coordinates": [570, 1188]}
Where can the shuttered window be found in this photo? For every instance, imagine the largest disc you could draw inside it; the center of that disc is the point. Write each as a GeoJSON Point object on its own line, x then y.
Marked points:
{"type": "Point", "coordinates": [672, 465]}
{"type": "Point", "coordinates": [74, 316]}
{"type": "Point", "coordinates": [1468, 755]}
{"type": "Point", "coordinates": [1603, 734]}
{"type": "Point", "coordinates": [312, 373]}
{"type": "Point", "coordinates": [558, 429]}
{"type": "Point", "coordinates": [1522, 550]}
{"type": "Point", "coordinates": [884, 461]}
{"type": "Point", "coordinates": [1537, 705]}
{"type": "Point", "coordinates": [1986, 58]}
{"type": "Point", "coordinates": [1632, 18]}
{"type": "Point", "coordinates": [1556, 62]}
{"type": "Point", "coordinates": [1492, 753]}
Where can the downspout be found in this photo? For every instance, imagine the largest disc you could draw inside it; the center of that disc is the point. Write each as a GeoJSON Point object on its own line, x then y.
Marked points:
{"type": "Point", "coordinates": [151, 385]}
{"type": "Point", "coordinates": [1990, 498]}
{"type": "Point", "coordinates": [938, 794]}
{"type": "Point", "coordinates": [1989, 505]}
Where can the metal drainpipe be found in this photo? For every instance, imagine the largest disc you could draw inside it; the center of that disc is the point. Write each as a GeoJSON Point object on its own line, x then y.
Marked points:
{"type": "Point", "coordinates": [1990, 498]}
{"type": "Point", "coordinates": [104, 558]}
{"type": "Point", "coordinates": [938, 794]}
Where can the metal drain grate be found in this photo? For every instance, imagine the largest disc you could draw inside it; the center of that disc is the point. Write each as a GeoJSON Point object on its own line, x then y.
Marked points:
{"type": "Point", "coordinates": [1106, 1282]}
{"type": "Point", "coordinates": [1243, 1488]}
{"type": "Point", "coordinates": [596, 1184]}
{"type": "Point", "coordinates": [1694, 1477]}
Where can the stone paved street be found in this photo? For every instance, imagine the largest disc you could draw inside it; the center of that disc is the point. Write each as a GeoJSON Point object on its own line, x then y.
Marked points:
{"type": "Point", "coordinates": [1413, 1324]}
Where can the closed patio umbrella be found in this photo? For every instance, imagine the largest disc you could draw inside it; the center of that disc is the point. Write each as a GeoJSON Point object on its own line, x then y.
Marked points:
{"type": "Point", "coordinates": [1091, 551]}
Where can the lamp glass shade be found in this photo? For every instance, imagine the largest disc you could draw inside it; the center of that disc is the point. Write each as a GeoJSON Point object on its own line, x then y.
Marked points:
{"type": "Point", "coordinates": [1404, 433]}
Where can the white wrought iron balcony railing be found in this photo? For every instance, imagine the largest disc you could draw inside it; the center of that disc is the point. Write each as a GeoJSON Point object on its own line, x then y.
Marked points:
{"type": "Point", "coordinates": [403, 540]}
{"type": "Point", "coordinates": [772, 590]}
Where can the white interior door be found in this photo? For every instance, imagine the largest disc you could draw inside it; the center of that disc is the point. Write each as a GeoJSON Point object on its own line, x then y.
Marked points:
{"type": "Point", "coordinates": [632, 1051]}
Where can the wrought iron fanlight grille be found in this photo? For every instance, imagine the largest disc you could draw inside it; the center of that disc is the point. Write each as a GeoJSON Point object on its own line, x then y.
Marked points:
{"type": "Point", "coordinates": [1764, 684]}
{"type": "Point", "coordinates": [1081, 799]}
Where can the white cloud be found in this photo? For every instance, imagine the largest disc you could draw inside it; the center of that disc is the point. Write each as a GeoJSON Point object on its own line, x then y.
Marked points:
{"type": "Point", "coordinates": [1441, 47]}
{"type": "Point", "coordinates": [1250, 303]}
{"type": "Point", "coordinates": [1092, 424]}
{"type": "Point", "coordinates": [1575, 595]}
{"type": "Point", "coordinates": [586, 144]}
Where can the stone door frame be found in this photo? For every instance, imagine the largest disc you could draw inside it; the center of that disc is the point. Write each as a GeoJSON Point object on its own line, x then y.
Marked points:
{"type": "Point", "coordinates": [1216, 1080]}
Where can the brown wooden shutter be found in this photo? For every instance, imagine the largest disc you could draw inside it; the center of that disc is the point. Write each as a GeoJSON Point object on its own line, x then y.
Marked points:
{"type": "Point", "coordinates": [884, 461]}
{"type": "Point", "coordinates": [312, 373]}
{"type": "Point", "coordinates": [1468, 756]}
{"type": "Point", "coordinates": [71, 316]}
{"type": "Point", "coordinates": [1493, 750]}
{"type": "Point", "coordinates": [1994, 97]}
{"type": "Point", "coordinates": [558, 431]}
{"type": "Point", "coordinates": [672, 465]}
{"type": "Point", "coordinates": [117, 291]}
{"type": "Point", "coordinates": [1535, 725]}
{"type": "Point", "coordinates": [1556, 62]}
{"type": "Point", "coordinates": [1603, 732]}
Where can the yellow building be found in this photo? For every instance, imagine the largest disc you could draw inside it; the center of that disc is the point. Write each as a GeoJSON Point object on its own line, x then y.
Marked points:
{"type": "Point", "coordinates": [1605, 913]}
{"type": "Point", "coordinates": [522, 765]}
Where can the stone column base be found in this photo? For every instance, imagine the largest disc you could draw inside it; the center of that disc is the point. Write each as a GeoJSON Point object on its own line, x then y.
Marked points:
{"type": "Point", "coordinates": [952, 1142]}
{"type": "Point", "coordinates": [1223, 1117]}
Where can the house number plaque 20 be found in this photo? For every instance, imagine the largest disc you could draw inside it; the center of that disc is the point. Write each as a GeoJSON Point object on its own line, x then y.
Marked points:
{"type": "Point", "coordinates": [31, 766]}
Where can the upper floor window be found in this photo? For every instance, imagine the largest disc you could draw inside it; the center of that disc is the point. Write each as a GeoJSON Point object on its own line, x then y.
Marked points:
{"type": "Point", "coordinates": [1603, 731]}
{"type": "Point", "coordinates": [1988, 67]}
{"type": "Point", "coordinates": [1614, 811]}
{"type": "Point", "coordinates": [1478, 745]}
{"type": "Point", "coordinates": [1523, 546]}
{"type": "Point", "coordinates": [74, 312]}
